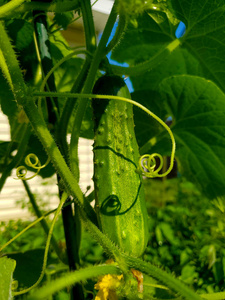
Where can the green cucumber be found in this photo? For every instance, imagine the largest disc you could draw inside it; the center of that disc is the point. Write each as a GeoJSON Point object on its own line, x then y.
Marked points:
{"type": "Point", "coordinates": [119, 194]}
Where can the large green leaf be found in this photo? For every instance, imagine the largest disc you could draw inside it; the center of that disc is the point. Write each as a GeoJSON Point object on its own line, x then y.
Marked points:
{"type": "Point", "coordinates": [151, 32]}
{"type": "Point", "coordinates": [197, 107]}
{"type": "Point", "coordinates": [7, 267]}
{"type": "Point", "coordinates": [146, 127]}
{"type": "Point", "coordinates": [28, 266]}
{"type": "Point", "coordinates": [202, 46]}
{"type": "Point", "coordinates": [204, 38]}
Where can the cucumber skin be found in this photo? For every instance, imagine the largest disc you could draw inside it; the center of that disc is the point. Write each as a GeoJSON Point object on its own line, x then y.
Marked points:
{"type": "Point", "coordinates": [116, 158]}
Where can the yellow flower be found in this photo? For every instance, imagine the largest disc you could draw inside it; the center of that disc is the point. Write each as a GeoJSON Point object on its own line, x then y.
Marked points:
{"type": "Point", "coordinates": [107, 286]}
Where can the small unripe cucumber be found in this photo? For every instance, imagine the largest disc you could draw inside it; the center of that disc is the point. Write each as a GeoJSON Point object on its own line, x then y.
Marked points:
{"type": "Point", "coordinates": [119, 194]}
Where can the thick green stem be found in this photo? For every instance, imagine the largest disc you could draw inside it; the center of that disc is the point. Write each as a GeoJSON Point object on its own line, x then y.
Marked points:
{"type": "Point", "coordinates": [52, 150]}
{"type": "Point", "coordinates": [68, 220]}
{"type": "Point", "coordinates": [147, 65]}
{"type": "Point", "coordinates": [82, 103]}
{"type": "Point", "coordinates": [122, 24]}
{"type": "Point", "coordinates": [19, 86]}
{"type": "Point", "coordinates": [10, 6]}
{"type": "Point", "coordinates": [126, 261]}
{"type": "Point", "coordinates": [72, 278]}
{"type": "Point", "coordinates": [89, 27]}
{"type": "Point", "coordinates": [43, 222]}
{"type": "Point", "coordinates": [5, 70]}
{"type": "Point", "coordinates": [90, 38]}
{"type": "Point", "coordinates": [58, 7]}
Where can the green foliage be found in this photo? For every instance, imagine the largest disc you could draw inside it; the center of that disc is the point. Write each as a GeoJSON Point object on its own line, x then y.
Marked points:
{"type": "Point", "coordinates": [186, 234]}
{"type": "Point", "coordinates": [7, 267]}
{"type": "Point", "coordinates": [178, 78]}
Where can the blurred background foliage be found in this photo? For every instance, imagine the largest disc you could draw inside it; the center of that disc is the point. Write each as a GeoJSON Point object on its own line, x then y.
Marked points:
{"type": "Point", "coordinates": [186, 236]}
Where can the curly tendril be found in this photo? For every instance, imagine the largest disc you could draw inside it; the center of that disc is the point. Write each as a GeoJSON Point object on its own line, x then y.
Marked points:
{"type": "Point", "coordinates": [147, 162]}
{"type": "Point", "coordinates": [147, 165]}
{"type": "Point", "coordinates": [21, 171]}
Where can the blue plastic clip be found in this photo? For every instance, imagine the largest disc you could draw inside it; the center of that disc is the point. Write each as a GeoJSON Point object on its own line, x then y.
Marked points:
{"type": "Point", "coordinates": [180, 30]}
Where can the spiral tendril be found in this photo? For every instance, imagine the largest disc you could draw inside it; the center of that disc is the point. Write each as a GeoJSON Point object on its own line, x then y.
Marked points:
{"type": "Point", "coordinates": [147, 165]}
{"type": "Point", "coordinates": [21, 171]}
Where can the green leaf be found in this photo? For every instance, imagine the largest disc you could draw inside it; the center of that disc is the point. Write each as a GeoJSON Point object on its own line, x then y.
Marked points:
{"type": "Point", "coordinates": [7, 101]}
{"type": "Point", "coordinates": [145, 126]}
{"type": "Point", "coordinates": [63, 19]}
{"type": "Point", "coordinates": [21, 32]}
{"type": "Point", "coordinates": [204, 37]}
{"type": "Point", "coordinates": [151, 33]}
{"type": "Point", "coordinates": [6, 150]}
{"type": "Point", "coordinates": [197, 107]}
{"type": "Point", "coordinates": [169, 233]}
{"type": "Point", "coordinates": [28, 266]}
{"type": "Point", "coordinates": [7, 267]}
{"type": "Point", "coordinates": [188, 274]}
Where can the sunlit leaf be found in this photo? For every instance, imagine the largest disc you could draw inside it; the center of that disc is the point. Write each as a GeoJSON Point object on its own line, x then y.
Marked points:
{"type": "Point", "coordinates": [7, 267]}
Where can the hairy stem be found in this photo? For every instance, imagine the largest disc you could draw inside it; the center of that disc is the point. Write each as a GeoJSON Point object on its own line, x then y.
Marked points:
{"type": "Point", "coordinates": [19, 86]}
{"type": "Point", "coordinates": [58, 7]}
{"type": "Point", "coordinates": [82, 103]}
{"type": "Point", "coordinates": [5, 70]}
{"type": "Point", "coordinates": [149, 64]}
{"type": "Point", "coordinates": [122, 24]}
{"type": "Point", "coordinates": [10, 6]}
{"type": "Point", "coordinates": [74, 277]}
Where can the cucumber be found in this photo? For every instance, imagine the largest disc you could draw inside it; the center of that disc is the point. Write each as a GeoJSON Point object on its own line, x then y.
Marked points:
{"type": "Point", "coordinates": [119, 195]}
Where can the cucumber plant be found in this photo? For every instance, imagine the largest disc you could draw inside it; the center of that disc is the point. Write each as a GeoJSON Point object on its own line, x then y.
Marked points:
{"type": "Point", "coordinates": [46, 92]}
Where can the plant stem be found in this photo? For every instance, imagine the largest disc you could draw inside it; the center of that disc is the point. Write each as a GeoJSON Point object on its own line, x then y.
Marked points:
{"type": "Point", "coordinates": [82, 103]}
{"type": "Point", "coordinates": [43, 222]}
{"type": "Point", "coordinates": [148, 65]}
{"type": "Point", "coordinates": [10, 6]}
{"type": "Point", "coordinates": [126, 261]}
{"type": "Point", "coordinates": [25, 99]}
{"type": "Point", "coordinates": [89, 26]}
{"type": "Point", "coordinates": [72, 278]}
{"type": "Point", "coordinates": [90, 38]}
{"type": "Point", "coordinates": [19, 86]}
{"type": "Point", "coordinates": [57, 7]}
{"type": "Point", "coordinates": [5, 70]}
{"type": "Point", "coordinates": [122, 24]}
{"type": "Point", "coordinates": [70, 230]}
